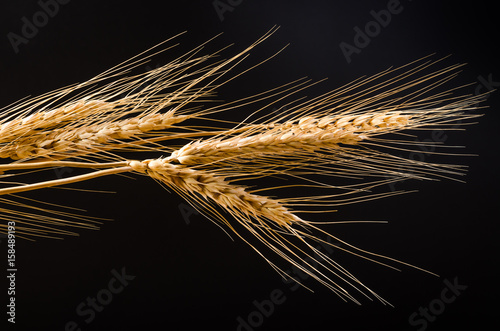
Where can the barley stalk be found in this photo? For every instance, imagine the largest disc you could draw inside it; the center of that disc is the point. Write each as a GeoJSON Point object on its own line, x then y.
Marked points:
{"type": "Point", "coordinates": [64, 181]}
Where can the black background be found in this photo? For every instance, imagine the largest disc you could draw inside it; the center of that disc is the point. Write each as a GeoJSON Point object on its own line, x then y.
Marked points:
{"type": "Point", "coordinates": [192, 276]}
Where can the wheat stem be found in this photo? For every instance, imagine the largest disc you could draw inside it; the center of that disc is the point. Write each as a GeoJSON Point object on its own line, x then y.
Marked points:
{"type": "Point", "coordinates": [64, 181]}
{"type": "Point", "coordinates": [53, 164]}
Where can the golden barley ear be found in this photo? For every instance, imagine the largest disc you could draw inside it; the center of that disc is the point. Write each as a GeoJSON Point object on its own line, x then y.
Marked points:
{"type": "Point", "coordinates": [319, 139]}
{"type": "Point", "coordinates": [118, 109]}
{"type": "Point", "coordinates": [349, 134]}
{"type": "Point", "coordinates": [92, 124]}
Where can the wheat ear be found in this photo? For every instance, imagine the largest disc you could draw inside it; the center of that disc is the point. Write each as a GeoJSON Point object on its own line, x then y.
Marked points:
{"type": "Point", "coordinates": [253, 212]}
{"type": "Point", "coordinates": [267, 219]}
{"type": "Point", "coordinates": [328, 135]}
{"type": "Point", "coordinates": [26, 126]}
{"type": "Point", "coordinates": [64, 143]}
{"type": "Point", "coordinates": [97, 116]}
{"type": "Point", "coordinates": [307, 134]}
{"type": "Point", "coordinates": [230, 197]}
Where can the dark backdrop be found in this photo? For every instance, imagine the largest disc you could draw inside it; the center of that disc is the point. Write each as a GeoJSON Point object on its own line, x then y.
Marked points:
{"type": "Point", "coordinates": [188, 274]}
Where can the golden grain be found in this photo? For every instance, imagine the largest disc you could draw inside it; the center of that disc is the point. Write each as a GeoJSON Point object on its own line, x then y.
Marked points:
{"type": "Point", "coordinates": [336, 134]}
